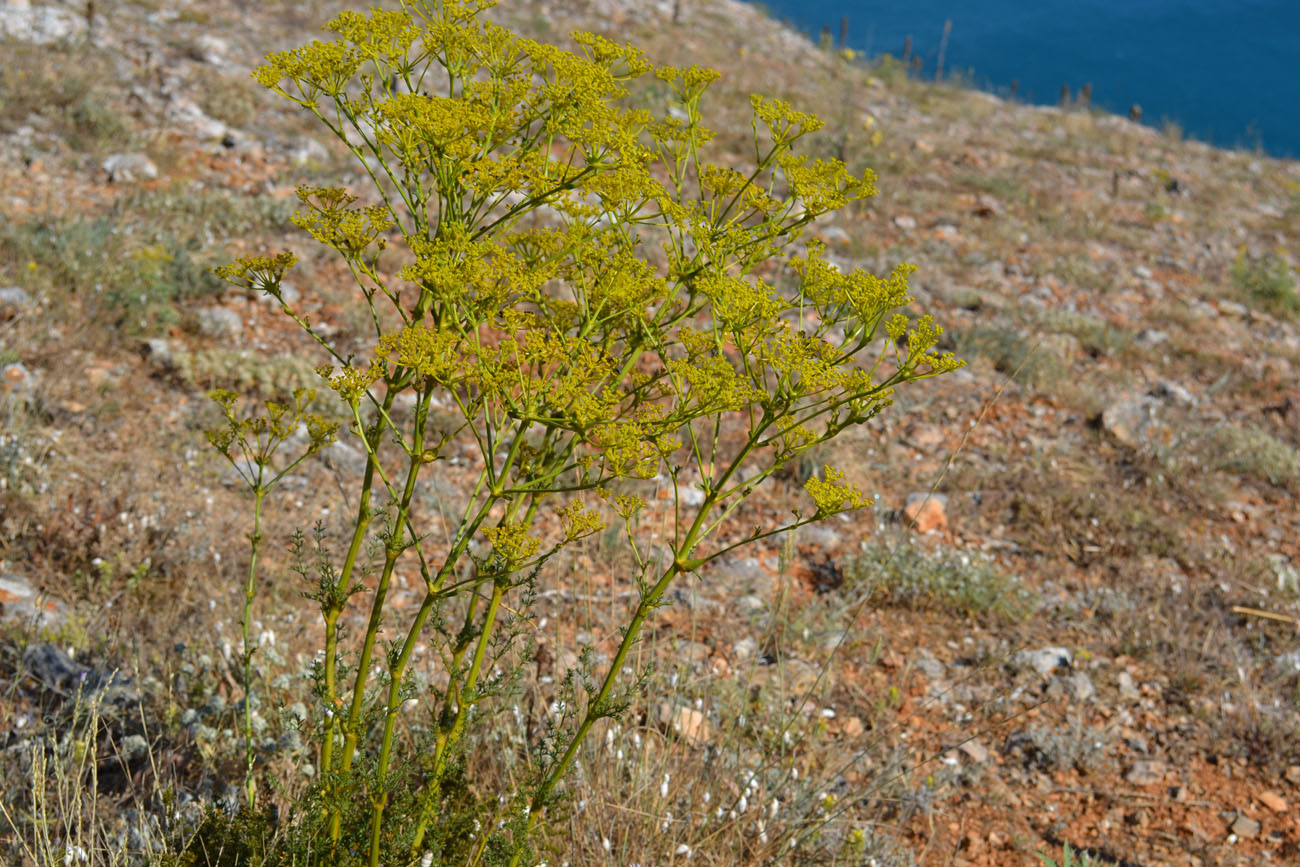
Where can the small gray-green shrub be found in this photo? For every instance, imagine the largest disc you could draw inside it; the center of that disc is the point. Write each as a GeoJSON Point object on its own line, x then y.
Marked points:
{"type": "Point", "coordinates": [959, 582]}
{"type": "Point", "coordinates": [1266, 279]}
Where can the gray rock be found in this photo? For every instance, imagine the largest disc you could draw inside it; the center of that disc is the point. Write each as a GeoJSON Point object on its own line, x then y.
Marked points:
{"type": "Point", "coordinates": [744, 649]}
{"type": "Point", "coordinates": [211, 49]}
{"type": "Point", "coordinates": [975, 751]}
{"type": "Point", "coordinates": [1173, 393]}
{"type": "Point", "coordinates": [820, 536]}
{"type": "Point", "coordinates": [1245, 827]}
{"type": "Point", "coordinates": [930, 667]}
{"type": "Point", "coordinates": [1044, 660]}
{"type": "Point", "coordinates": [1151, 337]}
{"type": "Point", "coordinates": [739, 575]}
{"type": "Point", "coordinates": [129, 167]}
{"type": "Point", "coordinates": [40, 25]}
{"type": "Point", "coordinates": [308, 152]}
{"type": "Point", "coordinates": [134, 746]}
{"type": "Point", "coordinates": [59, 672]}
{"type": "Point", "coordinates": [794, 677]}
{"type": "Point", "coordinates": [21, 602]}
{"type": "Point", "coordinates": [1127, 688]}
{"type": "Point", "coordinates": [833, 235]}
{"type": "Point", "coordinates": [1288, 663]}
{"type": "Point", "coordinates": [748, 605]}
{"type": "Point", "coordinates": [344, 458]}
{"type": "Point", "coordinates": [187, 114]}
{"type": "Point", "coordinates": [159, 351]}
{"type": "Point", "coordinates": [14, 298]}
{"type": "Point", "coordinates": [220, 322]}
{"type": "Point", "coordinates": [689, 495]}
{"type": "Point", "coordinates": [17, 381]}
{"type": "Point", "coordinates": [288, 292]}
{"type": "Point", "coordinates": [1079, 687]}
{"type": "Point", "coordinates": [1145, 772]}
{"type": "Point", "coordinates": [1136, 421]}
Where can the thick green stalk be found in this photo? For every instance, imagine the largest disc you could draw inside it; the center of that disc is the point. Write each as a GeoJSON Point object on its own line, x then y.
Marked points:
{"type": "Point", "coordinates": [360, 527]}
{"type": "Point", "coordinates": [415, 463]}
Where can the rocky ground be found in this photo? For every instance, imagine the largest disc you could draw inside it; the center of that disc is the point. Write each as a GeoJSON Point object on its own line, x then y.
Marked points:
{"type": "Point", "coordinates": [1071, 618]}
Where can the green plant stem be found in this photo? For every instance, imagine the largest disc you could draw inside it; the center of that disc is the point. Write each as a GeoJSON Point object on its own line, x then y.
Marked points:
{"type": "Point", "coordinates": [250, 590]}
{"type": "Point", "coordinates": [360, 527]}
{"type": "Point", "coordinates": [596, 707]}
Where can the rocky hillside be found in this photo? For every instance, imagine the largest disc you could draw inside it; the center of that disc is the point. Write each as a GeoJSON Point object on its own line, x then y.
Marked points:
{"type": "Point", "coordinates": [1071, 618]}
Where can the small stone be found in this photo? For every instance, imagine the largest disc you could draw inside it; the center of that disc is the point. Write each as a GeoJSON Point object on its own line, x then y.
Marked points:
{"type": "Point", "coordinates": [134, 746]}
{"type": "Point", "coordinates": [820, 536]}
{"type": "Point", "coordinates": [1173, 393]}
{"type": "Point", "coordinates": [308, 152]}
{"type": "Point", "coordinates": [743, 574]}
{"type": "Point", "coordinates": [219, 322]}
{"type": "Point", "coordinates": [1151, 337]}
{"type": "Point", "coordinates": [187, 114]}
{"type": "Point", "coordinates": [975, 751]}
{"type": "Point", "coordinates": [1245, 827]}
{"type": "Point", "coordinates": [1044, 661]}
{"type": "Point", "coordinates": [1273, 801]}
{"type": "Point", "coordinates": [926, 512]}
{"type": "Point", "coordinates": [1135, 421]}
{"type": "Point", "coordinates": [16, 379]}
{"type": "Point", "coordinates": [930, 667]}
{"type": "Point", "coordinates": [1127, 688]}
{"type": "Point", "coordinates": [1079, 687]}
{"type": "Point", "coordinates": [833, 235]}
{"type": "Point", "coordinates": [988, 206]}
{"type": "Point", "coordinates": [211, 49]}
{"type": "Point", "coordinates": [693, 652]}
{"type": "Point", "coordinates": [689, 495]}
{"type": "Point", "coordinates": [129, 167]}
{"type": "Point", "coordinates": [793, 677]}
{"type": "Point", "coordinates": [852, 727]}
{"type": "Point", "coordinates": [905, 222]}
{"type": "Point", "coordinates": [14, 298]}
{"type": "Point", "coordinates": [159, 351]}
{"type": "Point", "coordinates": [1144, 773]}
{"type": "Point", "coordinates": [21, 602]}
{"type": "Point", "coordinates": [288, 293]}
{"type": "Point", "coordinates": [744, 649]}
{"type": "Point", "coordinates": [689, 724]}
{"type": "Point", "coordinates": [1293, 775]}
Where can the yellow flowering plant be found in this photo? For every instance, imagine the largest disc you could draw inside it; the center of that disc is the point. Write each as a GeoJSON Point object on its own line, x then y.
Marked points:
{"type": "Point", "coordinates": [593, 301]}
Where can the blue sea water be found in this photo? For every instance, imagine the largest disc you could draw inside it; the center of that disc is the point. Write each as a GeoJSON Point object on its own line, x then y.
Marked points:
{"type": "Point", "coordinates": [1226, 71]}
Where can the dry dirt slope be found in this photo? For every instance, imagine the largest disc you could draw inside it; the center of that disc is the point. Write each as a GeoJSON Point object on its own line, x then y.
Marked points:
{"type": "Point", "coordinates": [1105, 602]}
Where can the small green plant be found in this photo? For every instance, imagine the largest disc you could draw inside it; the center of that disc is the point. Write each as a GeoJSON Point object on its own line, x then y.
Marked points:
{"type": "Point", "coordinates": [1266, 279]}
{"type": "Point", "coordinates": [583, 294]}
{"type": "Point", "coordinates": [1069, 858]}
{"type": "Point", "coordinates": [1012, 353]}
{"type": "Point", "coordinates": [1249, 451]}
{"type": "Point", "coordinates": [959, 582]}
{"type": "Point", "coordinates": [250, 444]}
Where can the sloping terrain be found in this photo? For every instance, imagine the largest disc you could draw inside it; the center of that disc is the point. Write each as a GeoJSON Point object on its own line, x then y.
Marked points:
{"type": "Point", "coordinates": [1071, 617]}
